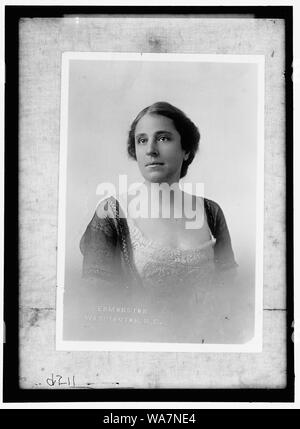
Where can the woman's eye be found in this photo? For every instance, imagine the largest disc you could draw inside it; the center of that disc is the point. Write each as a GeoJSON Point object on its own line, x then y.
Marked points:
{"type": "Point", "coordinates": [141, 140]}
{"type": "Point", "coordinates": [163, 138]}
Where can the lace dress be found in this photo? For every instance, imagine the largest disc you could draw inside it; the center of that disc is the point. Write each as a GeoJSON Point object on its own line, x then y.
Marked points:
{"type": "Point", "coordinates": [170, 292]}
{"type": "Point", "coordinates": [175, 282]}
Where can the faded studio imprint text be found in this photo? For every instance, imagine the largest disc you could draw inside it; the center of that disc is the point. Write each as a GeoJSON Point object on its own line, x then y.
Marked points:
{"type": "Point", "coordinates": [123, 315]}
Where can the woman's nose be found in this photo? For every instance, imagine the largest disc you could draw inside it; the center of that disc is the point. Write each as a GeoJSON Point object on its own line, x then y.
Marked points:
{"type": "Point", "coordinates": [152, 147]}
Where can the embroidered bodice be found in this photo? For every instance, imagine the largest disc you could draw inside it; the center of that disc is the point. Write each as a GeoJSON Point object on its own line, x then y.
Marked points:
{"type": "Point", "coordinates": [172, 285]}
{"type": "Point", "coordinates": [162, 267]}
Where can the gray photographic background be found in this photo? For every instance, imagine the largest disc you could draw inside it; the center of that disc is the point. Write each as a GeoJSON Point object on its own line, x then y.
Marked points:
{"type": "Point", "coordinates": [221, 98]}
{"type": "Point", "coordinates": [41, 43]}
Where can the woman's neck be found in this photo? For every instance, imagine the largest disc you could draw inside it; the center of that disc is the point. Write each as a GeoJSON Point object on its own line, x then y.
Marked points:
{"type": "Point", "coordinates": [164, 200]}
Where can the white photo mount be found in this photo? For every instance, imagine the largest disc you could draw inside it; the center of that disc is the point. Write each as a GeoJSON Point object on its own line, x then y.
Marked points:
{"type": "Point", "coordinates": [142, 59]}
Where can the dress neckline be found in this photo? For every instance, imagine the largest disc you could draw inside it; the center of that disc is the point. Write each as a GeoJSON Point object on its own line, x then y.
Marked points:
{"type": "Point", "coordinates": [139, 236]}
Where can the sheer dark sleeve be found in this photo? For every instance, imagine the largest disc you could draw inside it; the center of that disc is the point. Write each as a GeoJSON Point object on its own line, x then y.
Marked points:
{"type": "Point", "coordinates": [224, 256]}
{"type": "Point", "coordinates": [99, 247]}
{"type": "Point", "coordinates": [223, 252]}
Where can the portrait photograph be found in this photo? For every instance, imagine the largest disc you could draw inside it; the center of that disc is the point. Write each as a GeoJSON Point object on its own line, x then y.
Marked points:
{"type": "Point", "coordinates": [161, 189]}
{"type": "Point", "coordinates": [147, 248]}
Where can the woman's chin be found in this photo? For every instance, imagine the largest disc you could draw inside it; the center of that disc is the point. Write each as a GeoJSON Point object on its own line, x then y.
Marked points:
{"type": "Point", "coordinates": [156, 177]}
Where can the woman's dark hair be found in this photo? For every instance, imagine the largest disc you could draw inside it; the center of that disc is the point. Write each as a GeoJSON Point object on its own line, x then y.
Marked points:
{"type": "Point", "coordinates": [188, 131]}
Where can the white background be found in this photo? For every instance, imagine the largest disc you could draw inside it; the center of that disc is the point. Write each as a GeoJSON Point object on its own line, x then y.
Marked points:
{"type": "Point", "coordinates": [220, 98]}
{"type": "Point", "coordinates": [220, 94]}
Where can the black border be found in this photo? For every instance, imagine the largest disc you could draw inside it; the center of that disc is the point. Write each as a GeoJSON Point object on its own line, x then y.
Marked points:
{"type": "Point", "coordinates": [11, 390]}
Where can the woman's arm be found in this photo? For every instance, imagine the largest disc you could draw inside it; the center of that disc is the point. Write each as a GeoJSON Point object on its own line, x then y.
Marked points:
{"type": "Point", "coordinates": [224, 256]}
{"type": "Point", "coordinates": [99, 246]}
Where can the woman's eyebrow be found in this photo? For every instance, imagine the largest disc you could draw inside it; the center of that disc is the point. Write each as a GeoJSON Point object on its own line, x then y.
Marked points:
{"type": "Point", "coordinates": [163, 131]}
{"type": "Point", "coordinates": [156, 132]}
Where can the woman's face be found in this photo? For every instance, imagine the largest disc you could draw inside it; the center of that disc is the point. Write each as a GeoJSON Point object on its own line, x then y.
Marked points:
{"type": "Point", "coordinates": [158, 149]}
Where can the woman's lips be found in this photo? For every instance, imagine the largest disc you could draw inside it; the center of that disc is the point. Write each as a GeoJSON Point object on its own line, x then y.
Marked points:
{"type": "Point", "coordinates": [154, 164]}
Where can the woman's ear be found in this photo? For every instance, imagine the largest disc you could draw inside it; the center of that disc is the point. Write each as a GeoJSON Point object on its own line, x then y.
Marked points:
{"type": "Point", "coordinates": [186, 156]}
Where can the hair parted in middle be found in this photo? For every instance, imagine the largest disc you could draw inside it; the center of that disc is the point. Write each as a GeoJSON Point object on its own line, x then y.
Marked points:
{"type": "Point", "coordinates": [188, 131]}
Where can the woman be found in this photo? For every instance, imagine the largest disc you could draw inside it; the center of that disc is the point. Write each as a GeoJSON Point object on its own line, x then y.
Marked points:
{"type": "Point", "coordinates": [159, 257]}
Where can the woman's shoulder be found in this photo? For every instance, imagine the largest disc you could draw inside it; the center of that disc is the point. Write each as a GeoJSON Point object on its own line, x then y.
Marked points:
{"type": "Point", "coordinates": [214, 213]}
{"type": "Point", "coordinates": [107, 208]}
{"type": "Point", "coordinates": [211, 204]}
